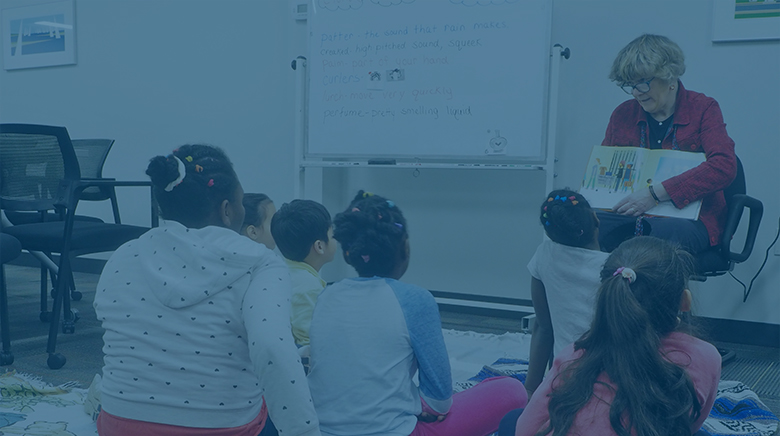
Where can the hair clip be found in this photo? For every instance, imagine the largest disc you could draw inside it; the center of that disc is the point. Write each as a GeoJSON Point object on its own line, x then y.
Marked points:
{"type": "Point", "coordinates": [544, 208]}
{"type": "Point", "coordinates": [198, 169]}
{"type": "Point", "coordinates": [366, 258]}
{"type": "Point", "coordinates": [574, 202]}
{"type": "Point", "coordinates": [572, 197]}
{"type": "Point", "coordinates": [367, 194]}
{"type": "Point", "coordinates": [188, 158]}
{"type": "Point", "coordinates": [378, 216]}
{"type": "Point", "coordinates": [627, 273]}
{"type": "Point", "coordinates": [544, 215]}
{"type": "Point", "coordinates": [210, 183]}
{"type": "Point", "coordinates": [549, 199]}
{"type": "Point", "coordinates": [354, 209]}
{"type": "Point", "coordinates": [390, 203]}
{"type": "Point", "coordinates": [399, 225]}
{"type": "Point", "coordinates": [546, 223]}
{"type": "Point", "coordinates": [346, 253]}
{"type": "Point", "coordinates": [182, 174]}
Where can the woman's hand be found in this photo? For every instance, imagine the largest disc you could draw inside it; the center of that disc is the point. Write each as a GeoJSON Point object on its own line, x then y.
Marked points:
{"type": "Point", "coordinates": [429, 417]}
{"type": "Point", "coordinates": [635, 204]}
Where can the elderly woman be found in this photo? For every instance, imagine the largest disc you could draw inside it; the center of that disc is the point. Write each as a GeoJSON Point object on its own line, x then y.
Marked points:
{"type": "Point", "coordinates": [663, 114]}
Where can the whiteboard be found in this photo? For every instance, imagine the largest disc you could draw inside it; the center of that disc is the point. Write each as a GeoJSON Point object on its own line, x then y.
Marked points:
{"type": "Point", "coordinates": [428, 79]}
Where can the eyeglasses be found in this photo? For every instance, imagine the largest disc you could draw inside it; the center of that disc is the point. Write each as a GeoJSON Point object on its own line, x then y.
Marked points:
{"type": "Point", "coordinates": [642, 87]}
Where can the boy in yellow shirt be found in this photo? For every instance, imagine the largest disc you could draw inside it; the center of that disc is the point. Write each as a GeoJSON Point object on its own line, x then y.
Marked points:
{"type": "Point", "coordinates": [303, 231]}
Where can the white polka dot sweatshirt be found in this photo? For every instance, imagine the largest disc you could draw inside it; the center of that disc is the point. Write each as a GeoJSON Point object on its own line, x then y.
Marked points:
{"type": "Point", "coordinates": [198, 331]}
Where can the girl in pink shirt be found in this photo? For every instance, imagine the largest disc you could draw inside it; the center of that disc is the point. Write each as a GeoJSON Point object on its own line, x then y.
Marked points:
{"type": "Point", "coordinates": [632, 373]}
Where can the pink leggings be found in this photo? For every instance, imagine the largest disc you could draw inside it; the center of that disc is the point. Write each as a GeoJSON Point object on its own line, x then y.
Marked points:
{"type": "Point", "coordinates": [477, 411]}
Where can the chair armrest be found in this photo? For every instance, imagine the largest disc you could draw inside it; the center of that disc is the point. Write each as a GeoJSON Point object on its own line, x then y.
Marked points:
{"type": "Point", "coordinates": [738, 204]}
{"type": "Point", "coordinates": [70, 191]}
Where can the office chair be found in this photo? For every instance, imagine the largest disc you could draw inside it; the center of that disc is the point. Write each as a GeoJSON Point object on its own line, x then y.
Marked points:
{"type": "Point", "coordinates": [719, 259]}
{"type": "Point", "coordinates": [40, 172]}
{"type": "Point", "coordinates": [10, 248]}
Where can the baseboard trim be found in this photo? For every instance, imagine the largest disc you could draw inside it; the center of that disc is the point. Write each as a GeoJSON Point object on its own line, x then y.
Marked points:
{"type": "Point", "coordinates": [720, 330]}
{"type": "Point", "coordinates": [483, 305]}
{"type": "Point", "coordinates": [78, 264]}
{"type": "Point", "coordinates": [739, 332]}
{"type": "Point", "coordinates": [714, 329]}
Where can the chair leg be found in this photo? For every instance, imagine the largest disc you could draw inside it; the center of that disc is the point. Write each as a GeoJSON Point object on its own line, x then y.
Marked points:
{"type": "Point", "coordinates": [57, 360]}
{"type": "Point", "coordinates": [6, 357]}
{"type": "Point", "coordinates": [115, 206]}
{"type": "Point", "coordinates": [45, 315]}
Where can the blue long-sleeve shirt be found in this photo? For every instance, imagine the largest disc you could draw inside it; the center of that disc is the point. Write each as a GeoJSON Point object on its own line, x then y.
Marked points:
{"type": "Point", "coordinates": [368, 339]}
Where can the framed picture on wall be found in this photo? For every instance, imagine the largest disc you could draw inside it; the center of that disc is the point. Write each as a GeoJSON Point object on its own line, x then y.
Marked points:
{"type": "Point", "coordinates": [745, 20]}
{"type": "Point", "coordinates": [41, 35]}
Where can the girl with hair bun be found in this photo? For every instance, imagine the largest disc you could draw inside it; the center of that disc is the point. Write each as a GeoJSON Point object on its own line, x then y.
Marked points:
{"type": "Point", "coordinates": [197, 319]}
{"type": "Point", "coordinates": [633, 372]}
{"type": "Point", "coordinates": [371, 334]}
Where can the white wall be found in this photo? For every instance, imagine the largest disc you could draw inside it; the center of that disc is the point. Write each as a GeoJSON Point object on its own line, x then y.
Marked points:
{"type": "Point", "coordinates": [157, 74]}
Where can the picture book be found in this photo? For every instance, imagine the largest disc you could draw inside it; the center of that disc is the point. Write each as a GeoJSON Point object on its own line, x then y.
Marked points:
{"type": "Point", "coordinates": [615, 172]}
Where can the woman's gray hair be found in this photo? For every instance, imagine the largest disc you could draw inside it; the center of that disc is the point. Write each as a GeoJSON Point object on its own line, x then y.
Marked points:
{"type": "Point", "coordinates": [648, 56]}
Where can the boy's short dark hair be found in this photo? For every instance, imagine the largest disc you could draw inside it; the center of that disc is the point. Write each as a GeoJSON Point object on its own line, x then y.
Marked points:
{"type": "Point", "coordinates": [297, 225]}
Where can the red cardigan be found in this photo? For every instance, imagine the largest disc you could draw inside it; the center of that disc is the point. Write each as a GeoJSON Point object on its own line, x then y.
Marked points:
{"type": "Point", "coordinates": [700, 128]}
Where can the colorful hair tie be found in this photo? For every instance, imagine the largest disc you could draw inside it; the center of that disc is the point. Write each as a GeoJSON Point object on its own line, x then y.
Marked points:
{"type": "Point", "coordinates": [572, 197]}
{"type": "Point", "coordinates": [182, 174]}
{"type": "Point", "coordinates": [188, 158]}
{"type": "Point", "coordinates": [544, 215]}
{"type": "Point", "coordinates": [210, 183]}
{"type": "Point", "coordinates": [354, 209]}
{"type": "Point", "coordinates": [546, 223]}
{"type": "Point", "coordinates": [366, 258]}
{"type": "Point", "coordinates": [399, 225]}
{"type": "Point", "coordinates": [198, 169]}
{"type": "Point", "coordinates": [549, 199]}
{"type": "Point", "coordinates": [390, 203]}
{"type": "Point", "coordinates": [544, 208]}
{"type": "Point", "coordinates": [367, 194]}
{"type": "Point", "coordinates": [627, 273]}
{"type": "Point", "coordinates": [574, 202]}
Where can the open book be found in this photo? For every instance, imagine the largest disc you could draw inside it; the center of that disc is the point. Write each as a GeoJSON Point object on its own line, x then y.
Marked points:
{"type": "Point", "coordinates": [615, 172]}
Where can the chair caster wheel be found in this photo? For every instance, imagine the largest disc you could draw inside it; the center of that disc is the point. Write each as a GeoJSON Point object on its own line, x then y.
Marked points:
{"type": "Point", "coordinates": [76, 296]}
{"type": "Point", "coordinates": [6, 358]}
{"type": "Point", "coordinates": [45, 316]}
{"type": "Point", "coordinates": [68, 327]}
{"type": "Point", "coordinates": [56, 361]}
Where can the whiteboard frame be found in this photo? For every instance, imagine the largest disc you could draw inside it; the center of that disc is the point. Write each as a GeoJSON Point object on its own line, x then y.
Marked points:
{"type": "Point", "coordinates": [307, 182]}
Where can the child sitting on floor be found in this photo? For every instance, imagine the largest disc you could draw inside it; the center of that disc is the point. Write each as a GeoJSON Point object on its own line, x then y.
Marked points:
{"type": "Point", "coordinates": [564, 278]}
{"type": "Point", "coordinates": [304, 233]}
{"type": "Point", "coordinates": [257, 222]}
{"type": "Point", "coordinates": [196, 317]}
{"type": "Point", "coordinates": [633, 372]}
{"type": "Point", "coordinates": [371, 334]}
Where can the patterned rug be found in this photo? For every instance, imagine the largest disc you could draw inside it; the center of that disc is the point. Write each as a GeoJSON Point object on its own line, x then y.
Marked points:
{"type": "Point", "coordinates": [31, 407]}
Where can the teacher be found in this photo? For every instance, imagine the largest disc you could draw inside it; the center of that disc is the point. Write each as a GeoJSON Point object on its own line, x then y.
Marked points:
{"type": "Point", "coordinates": [663, 114]}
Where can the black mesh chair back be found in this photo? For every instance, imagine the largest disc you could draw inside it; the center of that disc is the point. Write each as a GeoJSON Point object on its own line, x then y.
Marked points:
{"type": "Point", "coordinates": [92, 154]}
{"type": "Point", "coordinates": [32, 167]}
